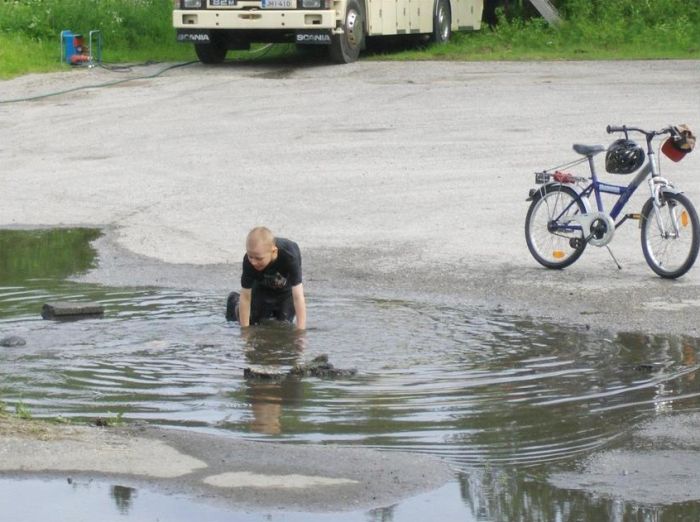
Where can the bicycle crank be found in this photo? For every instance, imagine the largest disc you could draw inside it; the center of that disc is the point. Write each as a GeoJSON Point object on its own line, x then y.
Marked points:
{"type": "Point", "coordinates": [598, 227]}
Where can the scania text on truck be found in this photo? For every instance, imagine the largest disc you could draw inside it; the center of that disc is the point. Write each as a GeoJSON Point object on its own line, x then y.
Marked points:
{"type": "Point", "coordinates": [218, 26]}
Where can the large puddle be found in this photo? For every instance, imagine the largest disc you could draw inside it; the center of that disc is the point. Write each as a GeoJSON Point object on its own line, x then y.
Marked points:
{"type": "Point", "coordinates": [503, 399]}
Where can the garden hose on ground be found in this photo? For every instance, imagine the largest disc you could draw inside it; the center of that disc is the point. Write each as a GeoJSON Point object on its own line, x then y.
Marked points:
{"type": "Point", "coordinates": [124, 68]}
{"type": "Point", "coordinates": [99, 85]}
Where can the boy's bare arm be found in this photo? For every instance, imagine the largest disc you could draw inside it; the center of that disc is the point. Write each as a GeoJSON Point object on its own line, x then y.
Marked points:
{"type": "Point", "coordinates": [244, 307]}
{"type": "Point", "coordinates": [299, 305]}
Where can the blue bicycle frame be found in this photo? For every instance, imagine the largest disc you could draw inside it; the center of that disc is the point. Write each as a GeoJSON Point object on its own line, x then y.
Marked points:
{"type": "Point", "coordinates": [598, 187]}
{"type": "Point", "coordinates": [625, 192]}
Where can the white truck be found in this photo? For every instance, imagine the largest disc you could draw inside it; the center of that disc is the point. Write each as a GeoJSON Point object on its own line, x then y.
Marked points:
{"type": "Point", "coordinates": [217, 26]}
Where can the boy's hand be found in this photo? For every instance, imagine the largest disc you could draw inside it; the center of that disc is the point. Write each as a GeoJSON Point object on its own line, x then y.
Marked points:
{"type": "Point", "coordinates": [244, 307]}
{"type": "Point", "coordinates": [299, 305]}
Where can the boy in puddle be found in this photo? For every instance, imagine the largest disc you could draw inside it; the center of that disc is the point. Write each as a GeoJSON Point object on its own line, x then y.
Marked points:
{"type": "Point", "coordinates": [271, 286]}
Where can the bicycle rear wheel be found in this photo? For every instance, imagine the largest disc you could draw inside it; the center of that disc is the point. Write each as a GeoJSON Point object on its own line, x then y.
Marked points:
{"type": "Point", "coordinates": [670, 251]}
{"type": "Point", "coordinates": [550, 239]}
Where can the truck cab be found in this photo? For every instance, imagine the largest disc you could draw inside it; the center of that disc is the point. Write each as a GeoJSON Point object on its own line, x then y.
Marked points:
{"type": "Point", "coordinates": [217, 26]}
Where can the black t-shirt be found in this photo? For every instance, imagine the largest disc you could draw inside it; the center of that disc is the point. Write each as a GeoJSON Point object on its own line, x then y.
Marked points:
{"type": "Point", "coordinates": [280, 275]}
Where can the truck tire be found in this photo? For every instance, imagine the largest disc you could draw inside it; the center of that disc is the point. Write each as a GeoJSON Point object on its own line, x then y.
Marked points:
{"type": "Point", "coordinates": [212, 52]}
{"type": "Point", "coordinates": [442, 22]}
{"type": "Point", "coordinates": [346, 47]}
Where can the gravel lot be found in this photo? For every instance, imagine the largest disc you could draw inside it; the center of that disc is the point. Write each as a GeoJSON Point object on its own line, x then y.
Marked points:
{"type": "Point", "coordinates": [393, 177]}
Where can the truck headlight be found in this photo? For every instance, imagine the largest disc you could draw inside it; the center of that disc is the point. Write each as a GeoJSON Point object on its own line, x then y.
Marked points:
{"type": "Point", "coordinates": [311, 4]}
{"type": "Point", "coordinates": [192, 4]}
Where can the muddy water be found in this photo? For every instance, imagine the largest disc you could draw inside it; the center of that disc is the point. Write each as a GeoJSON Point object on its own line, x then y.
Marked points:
{"type": "Point", "coordinates": [504, 399]}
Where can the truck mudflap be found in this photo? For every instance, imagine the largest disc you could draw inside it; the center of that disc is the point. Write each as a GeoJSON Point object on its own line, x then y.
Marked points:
{"type": "Point", "coordinates": [313, 37]}
{"type": "Point", "coordinates": [194, 35]}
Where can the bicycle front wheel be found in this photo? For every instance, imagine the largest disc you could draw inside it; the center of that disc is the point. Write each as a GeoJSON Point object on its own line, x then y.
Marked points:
{"type": "Point", "coordinates": [670, 235]}
{"type": "Point", "coordinates": [552, 238]}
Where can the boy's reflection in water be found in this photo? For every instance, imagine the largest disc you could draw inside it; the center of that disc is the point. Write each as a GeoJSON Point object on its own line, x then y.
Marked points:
{"type": "Point", "coordinates": [278, 346]}
{"type": "Point", "coordinates": [689, 359]}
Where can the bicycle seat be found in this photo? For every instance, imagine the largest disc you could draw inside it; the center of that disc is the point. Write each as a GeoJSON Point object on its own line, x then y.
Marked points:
{"type": "Point", "coordinates": [588, 150]}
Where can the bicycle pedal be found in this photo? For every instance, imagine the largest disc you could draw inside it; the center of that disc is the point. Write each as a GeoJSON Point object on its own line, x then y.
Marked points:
{"type": "Point", "coordinates": [634, 215]}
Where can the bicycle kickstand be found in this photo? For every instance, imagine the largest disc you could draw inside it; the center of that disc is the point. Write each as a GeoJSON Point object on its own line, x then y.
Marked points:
{"type": "Point", "coordinates": [619, 267]}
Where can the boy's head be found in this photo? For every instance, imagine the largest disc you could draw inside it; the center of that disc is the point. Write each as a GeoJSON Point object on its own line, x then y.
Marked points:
{"type": "Point", "coordinates": [260, 248]}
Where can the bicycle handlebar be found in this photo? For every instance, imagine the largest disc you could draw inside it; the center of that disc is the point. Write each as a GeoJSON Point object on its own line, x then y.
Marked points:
{"type": "Point", "coordinates": [614, 128]}
{"type": "Point", "coordinates": [649, 134]}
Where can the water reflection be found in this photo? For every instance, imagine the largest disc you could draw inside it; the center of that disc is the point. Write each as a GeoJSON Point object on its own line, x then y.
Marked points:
{"type": "Point", "coordinates": [499, 495]}
{"type": "Point", "coordinates": [276, 347]}
{"type": "Point", "coordinates": [503, 399]}
{"type": "Point", "coordinates": [26, 255]}
{"type": "Point", "coordinates": [473, 386]}
{"type": "Point", "coordinates": [123, 497]}
{"type": "Point", "coordinates": [485, 496]}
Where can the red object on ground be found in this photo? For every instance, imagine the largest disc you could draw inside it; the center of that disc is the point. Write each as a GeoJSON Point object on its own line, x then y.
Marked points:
{"type": "Point", "coordinates": [79, 58]}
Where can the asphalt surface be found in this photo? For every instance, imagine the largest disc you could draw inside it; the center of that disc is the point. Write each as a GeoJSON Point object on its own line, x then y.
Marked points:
{"type": "Point", "coordinates": [395, 178]}
{"type": "Point", "coordinates": [220, 470]}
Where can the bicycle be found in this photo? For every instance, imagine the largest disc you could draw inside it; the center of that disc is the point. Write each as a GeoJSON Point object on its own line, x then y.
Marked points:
{"type": "Point", "coordinates": [561, 221]}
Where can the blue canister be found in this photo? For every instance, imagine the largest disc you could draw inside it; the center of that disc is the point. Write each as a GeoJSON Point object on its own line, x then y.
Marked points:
{"type": "Point", "coordinates": [69, 45]}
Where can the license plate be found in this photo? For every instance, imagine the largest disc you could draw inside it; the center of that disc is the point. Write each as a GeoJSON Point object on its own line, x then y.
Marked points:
{"type": "Point", "coordinates": [279, 4]}
{"type": "Point", "coordinates": [222, 3]}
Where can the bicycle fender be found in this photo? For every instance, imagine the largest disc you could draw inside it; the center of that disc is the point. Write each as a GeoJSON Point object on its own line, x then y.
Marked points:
{"type": "Point", "coordinates": [553, 185]}
{"type": "Point", "coordinates": [649, 202]}
{"type": "Point", "coordinates": [542, 189]}
{"type": "Point", "coordinates": [671, 190]}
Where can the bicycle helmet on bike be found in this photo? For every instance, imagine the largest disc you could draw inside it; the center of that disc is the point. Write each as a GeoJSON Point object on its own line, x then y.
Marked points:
{"type": "Point", "coordinates": [624, 157]}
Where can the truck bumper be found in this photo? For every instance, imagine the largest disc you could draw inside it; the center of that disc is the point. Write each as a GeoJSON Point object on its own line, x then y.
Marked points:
{"type": "Point", "coordinates": [254, 19]}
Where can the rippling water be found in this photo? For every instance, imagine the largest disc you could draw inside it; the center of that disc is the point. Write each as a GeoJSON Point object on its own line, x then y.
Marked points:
{"type": "Point", "coordinates": [468, 384]}
{"type": "Point", "coordinates": [473, 385]}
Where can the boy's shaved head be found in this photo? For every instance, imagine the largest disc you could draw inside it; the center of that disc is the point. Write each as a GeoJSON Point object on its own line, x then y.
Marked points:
{"type": "Point", "coordinates": [260, 248]}
{"type": "Point", "coordinates": [260, 236]}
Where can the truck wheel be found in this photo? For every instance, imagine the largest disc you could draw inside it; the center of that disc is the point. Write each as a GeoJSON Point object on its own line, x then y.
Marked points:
{"type": "Point", "coordinates": [345, 48]}
{"type": "Point", "coordinates": [442, 22]}
{"type": "Point", "coordinates": [210, 52]}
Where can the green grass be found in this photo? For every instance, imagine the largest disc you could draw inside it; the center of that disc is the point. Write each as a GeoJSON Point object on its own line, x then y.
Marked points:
{"type": "Point", "coordinates": [591, 30]}
{"type": "Point", "coordinates": [132, 31]}
{"type": "Point", "coordinates": [20, 55]}
{"type": "Point", "coordinates": [22, 411]}
{"type": "Point", "coordinates": [141, 30]}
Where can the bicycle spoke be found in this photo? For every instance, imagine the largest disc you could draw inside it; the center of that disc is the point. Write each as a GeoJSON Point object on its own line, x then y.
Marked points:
{"type": "Point", "coordinates": [549, 239]}
{"type": "Point", "coordinates": [670, 236]}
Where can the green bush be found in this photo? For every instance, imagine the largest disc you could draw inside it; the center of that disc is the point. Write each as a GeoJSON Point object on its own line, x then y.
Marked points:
{"type": "Point", "coordinates": [652, 23]}
{"type": "Point", "coordinates": [124, 23]}
{"type": "Point", "coordinates": [620, 29]}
